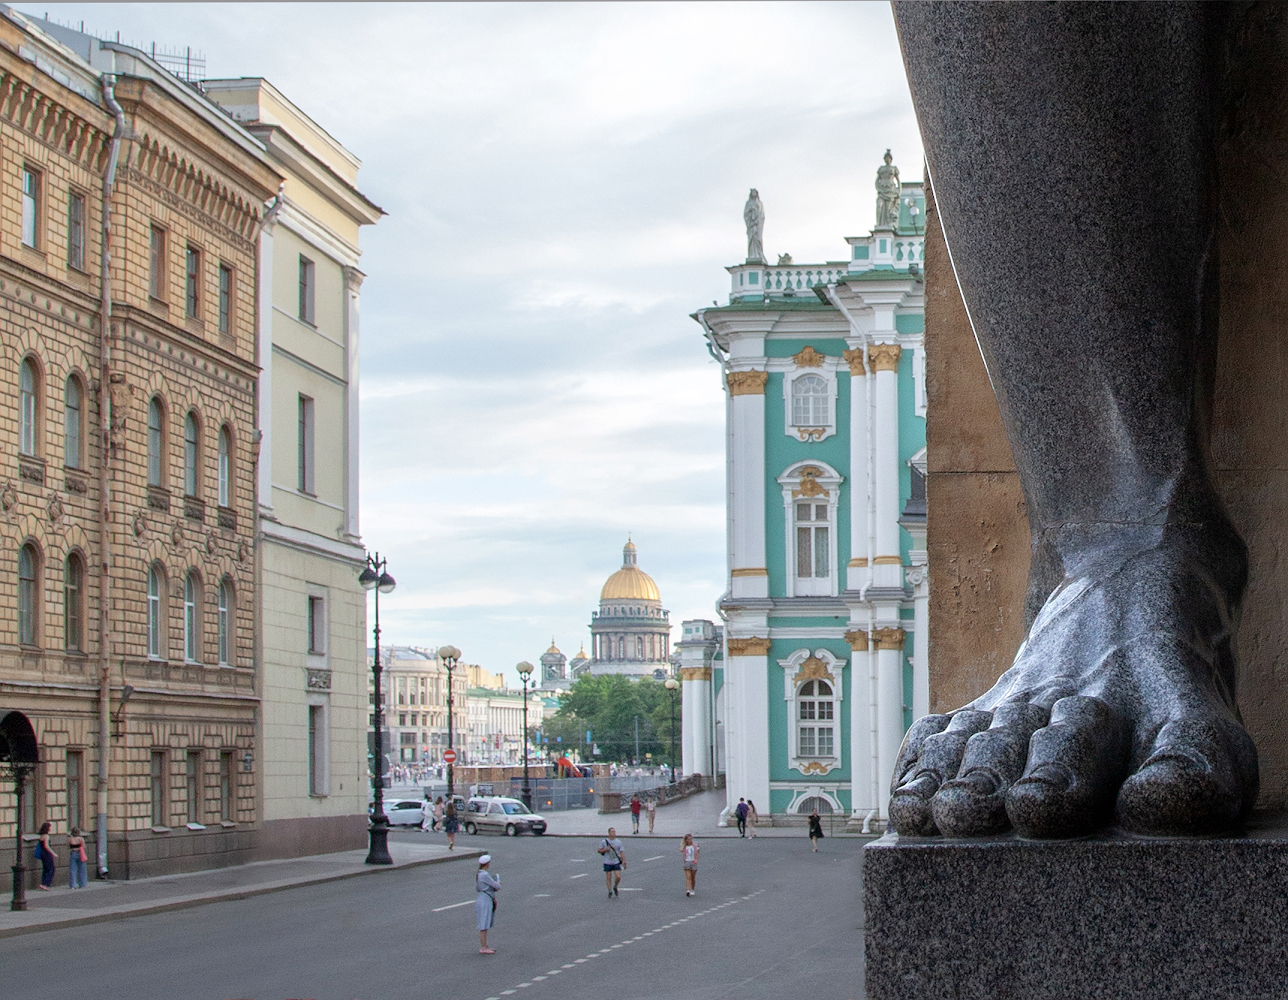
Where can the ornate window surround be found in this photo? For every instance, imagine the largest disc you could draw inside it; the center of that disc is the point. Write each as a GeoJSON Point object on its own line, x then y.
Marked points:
{"type": "Point", "coordinates": [823, 482]}
{"type": "Point", "coordinates": [801, 795]}
{"type": "Point", "coordinates": [799, 667]}
{"type": "Point", "coordinates": [810, 362]}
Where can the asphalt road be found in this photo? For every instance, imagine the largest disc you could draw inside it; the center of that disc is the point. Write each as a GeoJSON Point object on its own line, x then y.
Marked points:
{"type": "Point", "coordinates": [771, 919]}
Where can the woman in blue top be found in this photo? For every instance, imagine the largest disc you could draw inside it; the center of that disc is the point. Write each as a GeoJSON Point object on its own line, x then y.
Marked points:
{"type": "Point", "coordinates": [485, 902]}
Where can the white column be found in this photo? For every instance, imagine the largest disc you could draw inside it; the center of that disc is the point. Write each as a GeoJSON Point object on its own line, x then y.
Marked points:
{"type": "Point", "coordinates": [352, 285]}
{"type": "Point", "coordinates": [856, 571]}
{"type": "Point", "coordinates": [918, 576]}
{"type": "Point", "coordinates": [264, 357]}
{"type": "Point", "coordinates": [888, 565]}
{"type": "Point", "coordinates": [750, 577]}
{"type": "Point", "coordinates": [747, 664]}
{"type": "Point", "coordinates": [889, 643]}
{"type": "Point", "coordinates": [697, 714]}
{"type": "Point", "coordinates": [861, 696]}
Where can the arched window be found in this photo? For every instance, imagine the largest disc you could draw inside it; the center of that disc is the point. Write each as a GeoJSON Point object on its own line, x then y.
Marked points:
{"type": "Point", "coordinates": [814, 803]}
{"type": "Point", "coordinates": [156, 619]}
{"type": "Point", "coordinates": [74, 603]}
{"type": "Point", "coordinates": [225, 467]}
{"type": "Point", "coordinates": [156, 442]}
{"type": "Point", "coordinates": [28, 397]}
{"type": "Point", "coordinates": [72, 427]}
{"type": "Point", "coordinates": [639, 647]}
{"type": "Point", "coordinates": [191, 455]}
{"type": "Point", "coordinates": [621, 649]}
{"type": "Point", "coordinates": [810, 402]}
{"type": "Point", "coordinates": [28, 594]}
{"type": "Point", "coordinates": [815, 711]}
{"type": "Point", "coordinates": [225, 622]}
{"type": "Point", "coordinates": [191, 618]}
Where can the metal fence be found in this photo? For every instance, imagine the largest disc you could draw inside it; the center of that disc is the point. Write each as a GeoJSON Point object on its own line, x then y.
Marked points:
{"type": "Point", "coordinates": [558, 794]}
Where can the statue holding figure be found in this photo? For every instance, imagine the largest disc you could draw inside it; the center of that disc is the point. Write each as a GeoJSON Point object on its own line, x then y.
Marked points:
{"type": "Point", "coordinates": [887, 194]}
{"type": "Point", "coordinates": [753, 214]}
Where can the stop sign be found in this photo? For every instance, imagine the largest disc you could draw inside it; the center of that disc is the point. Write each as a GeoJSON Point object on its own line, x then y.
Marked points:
{"type": "Point", "coordinates": [449, 756]}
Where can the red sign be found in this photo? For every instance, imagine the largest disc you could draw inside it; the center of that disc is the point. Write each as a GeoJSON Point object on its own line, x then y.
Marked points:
{"type": "Point", "coordinates": [449, 756]}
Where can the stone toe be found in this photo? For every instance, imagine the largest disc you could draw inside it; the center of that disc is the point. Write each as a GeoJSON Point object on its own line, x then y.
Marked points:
{"type": "Point", "coordinates": [940, 758]}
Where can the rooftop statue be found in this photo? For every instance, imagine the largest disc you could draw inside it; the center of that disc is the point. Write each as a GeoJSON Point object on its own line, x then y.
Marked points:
{"type": "Point", "coordinates": [887, 193]}
{"type": "Point", "coordinates": [1120, 705]}
{"type": "Point", "coordinates": [753, 214]}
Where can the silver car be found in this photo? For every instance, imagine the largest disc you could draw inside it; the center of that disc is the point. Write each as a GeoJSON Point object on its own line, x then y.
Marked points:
{"type": "Point", "coordinates": [497, 814]}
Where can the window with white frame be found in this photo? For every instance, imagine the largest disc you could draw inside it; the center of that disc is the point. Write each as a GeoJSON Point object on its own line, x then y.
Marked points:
{"type": "Point", "coordinates": [225, 623]}
{"type": "Point", "coordinates": [812, 689]}
{"type": "Point", "coordinates": [811, 402]}
{"type": "Point", "coordinates": [28, 410]}
{"type": "Point", "coordinates": [816, 717]}
{"type": "Point", "coordinates": [811, 494]}
{"type": "Point", "coordinates": [191, 618]}
{"type": "Point", "coordinates": [812, 540]}
{"type": "Point", "coordinates": [156, 624]}
{"type": "Point", "coordinates": [225, 467]}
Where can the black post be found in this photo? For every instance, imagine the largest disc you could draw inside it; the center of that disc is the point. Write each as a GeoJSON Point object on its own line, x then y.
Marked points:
{"type": "Point", "coordinates": [19, 901]}
{"type": "Point", "coordinates": [450, 664]}
{"type": "Point", "coordinates": [378, 832]}
{"type": "Point", "coordinates": [673, 690]}
{"type": "Point", "coordinates": [527, 791]}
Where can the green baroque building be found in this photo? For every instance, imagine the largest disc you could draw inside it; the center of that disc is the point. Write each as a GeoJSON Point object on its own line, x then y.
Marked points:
{"type": "Point", "coordinates": [825, 616]}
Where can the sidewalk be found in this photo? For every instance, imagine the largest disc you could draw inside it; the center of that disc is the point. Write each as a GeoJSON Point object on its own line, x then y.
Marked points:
{"type": "Point", "coordinates": [63, 907]}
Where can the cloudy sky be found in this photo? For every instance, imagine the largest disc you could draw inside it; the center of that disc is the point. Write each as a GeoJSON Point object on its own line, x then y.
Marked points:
{"type": "Point", "coordinates": [564, 186]}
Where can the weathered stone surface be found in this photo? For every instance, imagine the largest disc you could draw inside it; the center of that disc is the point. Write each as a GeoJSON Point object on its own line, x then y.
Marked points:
{"type": "Point", "coordinates": [1113, 917]}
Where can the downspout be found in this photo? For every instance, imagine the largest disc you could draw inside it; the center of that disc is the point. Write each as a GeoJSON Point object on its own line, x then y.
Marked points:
{"type": "Point", "coordinates": [104, 476]}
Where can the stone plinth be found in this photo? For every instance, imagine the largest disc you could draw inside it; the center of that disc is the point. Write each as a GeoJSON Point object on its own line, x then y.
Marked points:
{"type": "Point", "coordinates": [1107, 917]}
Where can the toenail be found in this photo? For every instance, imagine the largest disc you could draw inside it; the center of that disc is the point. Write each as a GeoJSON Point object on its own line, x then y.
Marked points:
{"type": "Point", "coordinates": [1054, 774]}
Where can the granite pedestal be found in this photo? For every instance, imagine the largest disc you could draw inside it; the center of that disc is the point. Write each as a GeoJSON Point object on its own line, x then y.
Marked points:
{"type": "Point", "coordinates": [1113, 916]}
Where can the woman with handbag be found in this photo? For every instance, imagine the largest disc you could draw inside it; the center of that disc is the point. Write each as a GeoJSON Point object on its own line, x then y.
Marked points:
{"type": "Point", "coordinates": [46, 856]}
{"type": "Point", "coordinates": [485, 903]}
{"type": "Point", "coordinates": [76, 873]}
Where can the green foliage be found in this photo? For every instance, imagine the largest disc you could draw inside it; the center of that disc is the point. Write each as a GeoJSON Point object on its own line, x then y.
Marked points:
{"type": "Point", "coordinates": [608, 705]}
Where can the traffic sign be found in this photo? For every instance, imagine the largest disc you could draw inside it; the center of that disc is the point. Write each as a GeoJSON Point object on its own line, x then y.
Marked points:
{"type": "Point", "coordinates": [449, 756]}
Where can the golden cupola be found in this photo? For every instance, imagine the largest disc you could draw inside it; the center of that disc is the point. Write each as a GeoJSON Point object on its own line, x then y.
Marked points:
{"type": "Point", "coordinates": [630, 583]}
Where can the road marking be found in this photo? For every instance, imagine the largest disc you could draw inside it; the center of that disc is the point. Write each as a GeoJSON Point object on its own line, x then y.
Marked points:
{"type": "Point", "coordinates": [582, 875]}
{"type": "Point", "coordinates": [569, 965]}
{"type": "Point", "coordinates": [440, 909]}
{"type": "Point", "coordinates": [542, 895]}
{"type": "Point", "coordinates": [656, 857]}
{"type": "Point", "coordinates": [554, 972]}
{"type": "Point", "coordinates": [578, 860]}
{"type": "Point", "coordinates": [579, 960]}
{"type": "Point", "coordinates": [630, 889]}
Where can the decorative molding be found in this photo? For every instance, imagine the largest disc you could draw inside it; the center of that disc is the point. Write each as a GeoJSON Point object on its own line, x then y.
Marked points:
{"type": "Point", "coordinates": [858, 561]}
{"type": "Point", "coordinates": [140, 524]}
{"type": "Point", "coordinates": [887, 561]}
{"type": "Point", "coordinates": [749, 571]}
{"type": "Point", "coordinates": [807, 434]}
{"type": "Point", "coordinates": [749, 383]}
{"type": "Point", "coordinates": [176, 534]}
{"type": "Point", "coordinates": [809, 486]}
{"type": "Point", "coordinates": [889, 638]}
{"type": "Point", "coordinates": [751, 646]}
{"type": "Point", "coordinates": [8, 496]}
{"type": "Point", "coordinates": [885, 357]}
{"type": "Point", "coordinates": [809, 358]}
{"type": "Point", "coordinates": [695, 673]}
{"type": "Point", "coordinates": [854, 359]}
{"type": "Point", "coordinates": [813, 669]}
{"type": "Point", "coordinates": [318, 680]}
{"type": "Point", "coordinates": [55, 509]}
{"type": "Point", "coordinates": [857, 638]}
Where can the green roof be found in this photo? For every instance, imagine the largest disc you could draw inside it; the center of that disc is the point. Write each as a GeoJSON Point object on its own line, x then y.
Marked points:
{"type": "Point", "coordinates": [797, 303]}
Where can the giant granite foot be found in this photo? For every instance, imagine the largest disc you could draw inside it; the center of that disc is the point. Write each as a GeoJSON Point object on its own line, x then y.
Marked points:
{"type": "Point", "coordinates": [1119, 704]}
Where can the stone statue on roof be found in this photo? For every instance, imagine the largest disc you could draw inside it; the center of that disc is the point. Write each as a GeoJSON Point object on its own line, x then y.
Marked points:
{"type": "Point", "coordinates": [887, 194]}
{"type": "Point", "coordinates": [753, 214]}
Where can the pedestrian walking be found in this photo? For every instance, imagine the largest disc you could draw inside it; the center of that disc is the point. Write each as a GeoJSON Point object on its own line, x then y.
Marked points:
{"type": "Point", "coordinates": [450, 825]}
{"type": "Point", "coordinates": [689, 851]}
{"type": "Point", "coordinates": [652, 812]}
{"type": "Point", "coordinates": [613, 851]}
{"type": "Point", "coordinates": [45, 854]}
{"type": "Point", "coordinates": [427, 814]}
{"type": "Point", "coordinates": [487, 887]}
{"type": "Point", "coordinates": [438, 813]}
{"type": "Point", "coordinates": [76, 874]}
{"type": "Point", "coordinates": [740, 812]}
{"type": "Point", "coordinates": [815, 829]}
{"type": "Point", "coordinates": [753, 818]}
{"type": "Point", "coordinates": [635, 812]}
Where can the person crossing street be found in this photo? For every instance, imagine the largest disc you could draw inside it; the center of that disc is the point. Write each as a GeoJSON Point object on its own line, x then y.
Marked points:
{"type": "Point", "coordinates": [635, 812]}
{"type": "Point", "coordinates": [613, 852]}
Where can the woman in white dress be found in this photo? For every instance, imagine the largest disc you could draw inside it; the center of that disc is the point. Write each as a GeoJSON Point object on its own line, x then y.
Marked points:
{"type": "Point", "coordinates": [485, 902]}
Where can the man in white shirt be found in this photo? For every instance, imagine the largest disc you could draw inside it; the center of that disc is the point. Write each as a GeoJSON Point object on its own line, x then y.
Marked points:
{"type": "Point", "coordinates": [613, 852]}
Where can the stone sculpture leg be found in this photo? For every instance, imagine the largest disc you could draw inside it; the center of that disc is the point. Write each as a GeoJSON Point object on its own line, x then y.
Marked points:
{"type": "Point", "coordinates": [1071, 150]}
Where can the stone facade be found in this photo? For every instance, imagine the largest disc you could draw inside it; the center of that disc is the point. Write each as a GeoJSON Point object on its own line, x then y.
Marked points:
{"type": "Point", "coordinates": [179, 654]}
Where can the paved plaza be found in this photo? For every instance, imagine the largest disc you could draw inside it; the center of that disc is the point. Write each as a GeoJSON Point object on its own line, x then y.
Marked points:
{"type": "Point", "coordinates": [771, 919]}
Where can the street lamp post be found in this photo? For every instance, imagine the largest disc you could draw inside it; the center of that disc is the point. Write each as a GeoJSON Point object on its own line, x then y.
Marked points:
{"type": "Point", "coordinates": [672, 687]}
{"type": "Point", "coordinates": [376, 577]}
{"type": "Point", "coordinates": [449, 655]}
{"type": "Point", "coordinates": [525, 671]}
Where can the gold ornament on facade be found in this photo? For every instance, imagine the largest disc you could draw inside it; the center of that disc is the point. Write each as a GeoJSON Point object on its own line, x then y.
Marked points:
{"type": "Point", "coordinates": [889, 638]}
{"type": "Point", "coordinates": [815, 767]}
{"type": "Point", "coordinates": [751, 646]}
{"type": "Point", "coordinates": [811, 433]}
{"type": "Point", "coordinates": [857, 638]}
{"type": "Point", "coordinates": [749, 571]}
{"type": "Point", "coordinates": [751, 383]}
{"type": "Point", "coordinates": [809, 486]}
{"type": "Point", "coordinates": [854, 358]}
{"type": "Point", "coordinates": [885, 357]}
{"type": "Point", "coordinates": [887, 561]}
{"type": "Point", "coordinates": [809, 358]}
{"type": "Point", "coordinates": [813, 669]}
{"type": "Point", "coordinates": [695, 673]}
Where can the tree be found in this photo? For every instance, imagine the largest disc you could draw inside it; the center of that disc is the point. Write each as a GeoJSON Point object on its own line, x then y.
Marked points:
{"type": "Point", "coordinates": [608, 705]}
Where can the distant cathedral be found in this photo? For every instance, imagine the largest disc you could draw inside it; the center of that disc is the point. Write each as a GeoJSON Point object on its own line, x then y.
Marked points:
{"type": "Point", "coordinates": [631, 632]}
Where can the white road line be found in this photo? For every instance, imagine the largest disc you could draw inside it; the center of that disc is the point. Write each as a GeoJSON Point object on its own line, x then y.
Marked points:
{"type": "Point", "coordinates": [582, 875]}
{"type": "Point", "coordinates": [577, 860]}
{"type": "Point", "coordinates": [440, 909]}
{"type": "Point", "coordinates": [630, 889]}
{"type": "Point", "coordinates": [656, 857]}
{"type": "Point", "coordinates": [542, 895]}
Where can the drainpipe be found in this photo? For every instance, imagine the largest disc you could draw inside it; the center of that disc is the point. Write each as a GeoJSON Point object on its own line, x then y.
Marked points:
{"type": "Point", "coordinates": [104, 477]}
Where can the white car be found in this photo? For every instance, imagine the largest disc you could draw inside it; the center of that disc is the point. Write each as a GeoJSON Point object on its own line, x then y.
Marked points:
{"type": "Point", "coordinates": [403, 812]}
{"type": "Point", "coordinates": [496, 813]}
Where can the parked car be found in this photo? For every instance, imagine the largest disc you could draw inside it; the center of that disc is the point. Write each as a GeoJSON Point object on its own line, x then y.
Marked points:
{"type": "Point", "coordinates": [498, 814]}
{"type": "Point", "coordinates": [403, 812]}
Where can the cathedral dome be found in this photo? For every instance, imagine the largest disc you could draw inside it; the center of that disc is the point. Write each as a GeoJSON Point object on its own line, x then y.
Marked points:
{"type": "Point", "coordinates": [630, 583]}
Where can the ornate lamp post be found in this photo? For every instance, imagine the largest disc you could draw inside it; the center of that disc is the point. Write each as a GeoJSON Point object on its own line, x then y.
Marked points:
{"type": "Point", "coordinates": [449, 655]}
{"type": "Point", "coordinates": [525, 671]}
{"type": "Point", "coordinates": [376, 577]}
{"type": "Point", "coordinates": [672, 688]}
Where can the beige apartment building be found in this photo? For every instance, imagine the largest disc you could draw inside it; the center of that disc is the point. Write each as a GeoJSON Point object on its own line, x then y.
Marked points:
{"type": "Point", "coordinates": [311, 608]}
{"type": "Point", "coordinates": [414, 688]}
{"type": "Point", "coordinates": [126, 532]}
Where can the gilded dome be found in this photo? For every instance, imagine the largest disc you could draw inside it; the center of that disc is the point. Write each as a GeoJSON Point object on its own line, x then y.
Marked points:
{"type": "Point", "coordinates": [553, 648]}
{"type": "Point", "coordinates": [630, 583]}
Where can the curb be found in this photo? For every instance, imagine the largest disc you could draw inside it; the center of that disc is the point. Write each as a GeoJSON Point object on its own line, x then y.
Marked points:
{"type": "Point", "coordinates": [189, 902]}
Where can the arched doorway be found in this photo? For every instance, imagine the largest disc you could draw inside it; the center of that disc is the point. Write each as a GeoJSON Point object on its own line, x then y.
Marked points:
{"type": "Point", "coordinates": [19, 755]}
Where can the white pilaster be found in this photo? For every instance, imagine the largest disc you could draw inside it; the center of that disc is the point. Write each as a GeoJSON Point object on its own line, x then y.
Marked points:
{"type": "Point", "coordinates": [697, 715]}
{"type": "Point", "coordinates": [889, 708]}
{"type": "Point", "coordinates": [747, 482]}
{"type": "Point", "coordinates": [747, 666]}
{"type": "Point", "coordinates": [888, 565]}
{"type": "Point", "coordinates": [861, 697]}
{"type": "Point", "coordinates": [919, 577]}
{"type": "Point", "coordinates": [352, 286]}
{"type": "Point", "coordinates": [264, 357]}
{"type": "Point", "coordinates": [856, 573]}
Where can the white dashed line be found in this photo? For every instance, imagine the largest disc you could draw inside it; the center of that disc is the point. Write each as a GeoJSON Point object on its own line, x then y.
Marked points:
{"type": "Point", "coordinates": [656, 857]}
{"type": "Point", "coordinates": [629, 889]}
{"type": "Point", "coordinates": [582, 875]}
{"type": "Point", "coordinates": [577, 860]}
{"type": "Point", "coordinates": [440, 909]}
{"type": "Point", "coordinates": [542, 895]}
